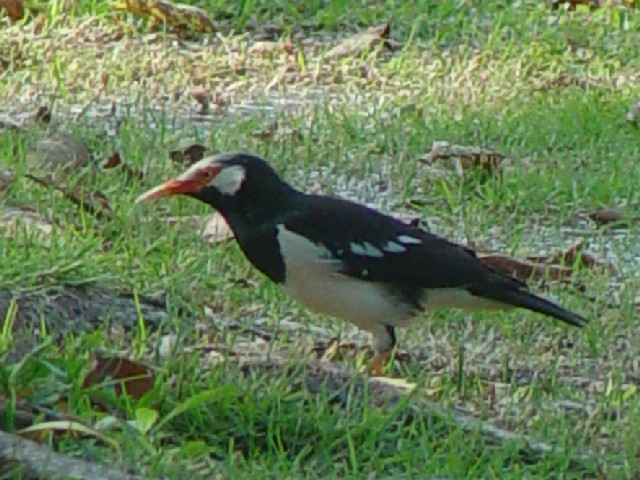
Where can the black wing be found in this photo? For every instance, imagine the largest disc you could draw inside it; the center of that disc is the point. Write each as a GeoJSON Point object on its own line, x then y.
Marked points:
{"type": "Point", "coordinates": [423, 260]}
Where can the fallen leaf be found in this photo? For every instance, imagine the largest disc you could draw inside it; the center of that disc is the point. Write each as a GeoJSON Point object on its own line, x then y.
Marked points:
{"type": "Point", "coordinates": [115, 160]}
{"type": "Point", "coordinates": [605, 216]}
{"type": "Point", "coordinates": [112, 161]}
{"type": "Point", "coordinates": [124, 375]}
{"type": "Point", "coordinates": [212, 228]}
{"type": "Point", "coordinates": [95, 203]}
{"type": "Point", "coordinates": [188, 153]}
{"type": "Point", "coordinates": [267, 49]}
{"type": "Point", "coordinates": [558, 266]}
{"type": "Point", "coordinates": [573, 255]}
{"type": "Point", "coordinates": [14, 8]}
{"type": "Point", "coordinates": [41, 431]}
{"type": "Point", "coordinates": [43, 115]}
{"type": "Point", "coordinates": [203, 97]}
{"type": "Point", "coordinates": [525, 270]}
{"type": "Point", "coordinates": [464, 158]}
{"type": "Point", "coordinates": [364, 41]}
{"type": "Point", "coordinates": [177, 15]}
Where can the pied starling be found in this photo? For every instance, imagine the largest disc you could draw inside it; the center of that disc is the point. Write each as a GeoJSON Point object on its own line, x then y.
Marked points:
{"type": "Point", "coordinates": [344, 259]}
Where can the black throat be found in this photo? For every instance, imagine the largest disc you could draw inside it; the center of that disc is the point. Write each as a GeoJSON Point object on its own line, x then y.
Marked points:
{"type": "Point", "coordinates": [253, 214]}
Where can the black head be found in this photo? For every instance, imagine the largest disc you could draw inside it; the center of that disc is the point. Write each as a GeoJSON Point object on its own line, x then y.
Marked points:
{"type": "Point", "coordinates": [234, 183]}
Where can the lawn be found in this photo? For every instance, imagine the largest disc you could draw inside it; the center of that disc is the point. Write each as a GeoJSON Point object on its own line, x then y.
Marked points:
{"type": "Point", "coordinates": [238, 379]}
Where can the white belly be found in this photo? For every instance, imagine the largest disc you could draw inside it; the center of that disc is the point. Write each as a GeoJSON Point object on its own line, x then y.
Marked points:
{"type": "Point", "coordinates": [312, 278]}
{"type": "Point", "coordinates": [362, 303]}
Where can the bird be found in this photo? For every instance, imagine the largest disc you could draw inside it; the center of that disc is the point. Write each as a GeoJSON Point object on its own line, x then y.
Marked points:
{"type": "Point", "coordinates": [345, 259]}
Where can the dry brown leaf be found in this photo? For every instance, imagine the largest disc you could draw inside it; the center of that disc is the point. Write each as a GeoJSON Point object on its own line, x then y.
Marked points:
{"type": "Point", "coordinates": [605, 216]}
{"type": "Point", "coordinates": [122, 374]}
{"type": "Point", "coordinates": [177, 15]}
{"type": "Point", "coordinates": [14, 8]}
{"type": "Point", "coordinates": [267, 49]}
{"type": "Point", "coordinates": [364, 41]}
{"type": "Point", "coordinates": [43, 115]}
{"type": "Point", "coordinates": [525, 270]}
{"type": "Point", "coordinates": [464, 158]}
{"type": "Point", "coordinates": [558, 266]}
{"type": "Point", "coordinates": [203, 97]}
{"type": "Point", "coordinates": [568, 257]}
{"type": "Point", "coordinates": [112, 161]}
{"type": "Point", "coordinates": [188, 153]}
{"type": "Point", "coordinates": [115, 160]}
{"type": "Point", "coordinates": [95, 203]}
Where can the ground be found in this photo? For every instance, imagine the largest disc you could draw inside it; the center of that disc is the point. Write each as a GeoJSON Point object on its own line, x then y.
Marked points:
{"type": "Point", "coordinates": [244, 381]}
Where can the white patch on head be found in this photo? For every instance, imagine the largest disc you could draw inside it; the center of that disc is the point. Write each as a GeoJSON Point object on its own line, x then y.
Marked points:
{"type": "Point", "coordinates": [366, 249]}
{"type": "Point", "coordinates": [393, 247]}
{"type": "Point", "coordinates": [407, 240]}
{"type": "Point", "coordinates": [229, 180]}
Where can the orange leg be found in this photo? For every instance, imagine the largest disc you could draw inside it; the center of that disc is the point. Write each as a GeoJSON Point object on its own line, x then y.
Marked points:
{"type": "Point", "coordinates": [379, 361]}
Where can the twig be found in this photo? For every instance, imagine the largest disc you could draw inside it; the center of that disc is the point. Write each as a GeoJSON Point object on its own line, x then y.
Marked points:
{"type": "Point", "coordinates": [39, 461]}
{"type": "Point", "coordinates": [98, 212]}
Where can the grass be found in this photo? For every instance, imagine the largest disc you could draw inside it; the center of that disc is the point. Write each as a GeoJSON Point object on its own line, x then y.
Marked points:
{"type": "Point", "coordinates": [469, 73]}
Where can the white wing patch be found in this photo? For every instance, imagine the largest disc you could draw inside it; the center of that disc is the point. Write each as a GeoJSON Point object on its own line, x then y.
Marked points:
{"type": "Point", "coordinates": [366, 249]}
{"type": "Point", "coordinates": [229, 180]}
{"type": "Point", "coordinates": [407, 240]}
{"type": "Point", "coordinates": [393, 247]}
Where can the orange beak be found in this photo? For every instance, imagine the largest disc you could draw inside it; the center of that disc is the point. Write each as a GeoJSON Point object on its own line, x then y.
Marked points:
{"type": "Point", "coordinates": [188, 182]}
{"type": "Point", "coordinates": [172, 187]}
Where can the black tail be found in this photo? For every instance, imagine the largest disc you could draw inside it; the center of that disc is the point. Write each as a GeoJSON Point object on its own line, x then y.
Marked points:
{"type": "Point", "coordinates": [518, 297]}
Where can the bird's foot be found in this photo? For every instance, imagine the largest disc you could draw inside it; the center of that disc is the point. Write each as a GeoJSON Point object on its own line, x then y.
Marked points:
{"type": "Point", "coordinates": [378, 363]}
